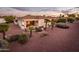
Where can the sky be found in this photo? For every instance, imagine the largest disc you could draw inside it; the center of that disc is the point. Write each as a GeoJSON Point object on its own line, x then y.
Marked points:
{"type": "Point", "coordinates": [22, 11]}
{"type": "Point", "coordinates": [42, 8]}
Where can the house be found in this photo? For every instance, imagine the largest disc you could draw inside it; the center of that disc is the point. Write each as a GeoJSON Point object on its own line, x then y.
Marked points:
{"type": "Point", "coordinates": [30, 20]}
{"type": "Point", "coordinates": [2, 20]}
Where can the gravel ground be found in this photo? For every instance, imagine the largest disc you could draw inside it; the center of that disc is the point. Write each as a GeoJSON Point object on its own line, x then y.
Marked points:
{"type": "Point", "coordinates": [57, 40]}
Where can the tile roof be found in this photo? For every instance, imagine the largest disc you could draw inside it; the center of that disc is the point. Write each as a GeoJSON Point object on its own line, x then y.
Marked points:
{"type": "Point", "coordinates": [36, 17]}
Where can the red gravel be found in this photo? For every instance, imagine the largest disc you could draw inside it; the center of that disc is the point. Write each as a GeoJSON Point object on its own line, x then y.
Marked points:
{"type": "Point", "coordinates": [56, 40]}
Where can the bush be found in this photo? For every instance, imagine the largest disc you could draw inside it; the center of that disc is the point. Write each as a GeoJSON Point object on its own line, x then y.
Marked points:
{"type": "Point", "coordinates": [61, 20]}
{"type": "Point", "coordinates": [71, 15]}
{"type": "Point", "coordinates": [77, 18]}
{"type": "Point", "coordinates": [43, 35]}
{"type": "Point", "coordinates": [22, 38]}
{"type": "Point", "coordinates": [13, 38]}
{"type": "Point", "coordinates": [4, 43]}
{"type": "Point", "coordinates": [70, 20]}
{"type": "Point", "coordinates": [62, 25]}
{"type": "Point", "coordinates": [9, 19]}
{"type": "Point", "coordinates": [39, 29]}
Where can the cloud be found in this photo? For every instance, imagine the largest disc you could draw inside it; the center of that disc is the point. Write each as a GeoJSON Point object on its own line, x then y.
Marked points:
{"type": "Point", "coordinates": [49, 11]}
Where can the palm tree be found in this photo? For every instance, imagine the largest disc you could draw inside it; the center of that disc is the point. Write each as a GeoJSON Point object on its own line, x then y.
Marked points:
{"type": "Point", "coordinates": [3, 28]}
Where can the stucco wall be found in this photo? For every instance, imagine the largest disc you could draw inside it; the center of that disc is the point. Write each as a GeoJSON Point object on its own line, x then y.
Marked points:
{"type": "Point", "coordinates": [21, 24]}
{"type": "Point", "coordinates": [2, 20]}
{"type": "Point", "coordinates": [41, 22]}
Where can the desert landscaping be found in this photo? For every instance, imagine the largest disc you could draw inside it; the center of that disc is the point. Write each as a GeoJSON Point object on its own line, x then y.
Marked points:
{"type": "Point", "coordinates": [57, 40]}
{"type": "Point", "coordinates": [39, 33]}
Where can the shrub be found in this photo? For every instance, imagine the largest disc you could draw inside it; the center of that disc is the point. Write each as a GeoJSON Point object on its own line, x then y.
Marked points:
{"type": "Point", "coordinates": [71, 15]}
{"type": "Point", "coordinates": [22, 38]}
{"type": "Point", "coordinates": [13, 38]}
{"type": "Point", "coordinates": [61, 20]}
{"type": "Point", "coordinates": [4, 43]}
{"type": "Point", "coordinates": [77, 18]}
{"type": "Point", "coordinates": [43, 35]}
{"type": "Point", "coordinates": [62, 25]}
{"type": "Point", "coordinates": [9, 19]}
{"type": "Point", "coordinates": [39, 29]}
{"type": "Point", "coordinates": [70, 20]}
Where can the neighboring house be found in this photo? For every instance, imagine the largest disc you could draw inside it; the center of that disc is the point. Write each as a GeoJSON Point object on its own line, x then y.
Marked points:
{"type": "Point", "coordinates": [35, 21]}
{"type": "Point", "coordinates": [2, 20]}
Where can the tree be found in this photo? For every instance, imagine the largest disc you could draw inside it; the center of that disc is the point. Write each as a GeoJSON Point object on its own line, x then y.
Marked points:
{"type": "Point", "coordinates": [77, 18]}
{"type": "Point", "coordinates": [46, 21]}
{"type": "Point", "coordinates": [71, 15]}
{"type": "Point", "coordinates": [61, 16]}
{"type": "Point", "coordinates": [52, 23]}
{"type": "Point", "coordinates": [9, 19]}
{"type": "Point", "coordinates": [3, 28]}
{"type": "Point", "coordinates": [63, 20]}
{"type": "Point", "coordinates": [77, 15]}
{"type": "Point", "coordinates": [70, 19]}
{"type": "Point", "coordinates": [31, 29]}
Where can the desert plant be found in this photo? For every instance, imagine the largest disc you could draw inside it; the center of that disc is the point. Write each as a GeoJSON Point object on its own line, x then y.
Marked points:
{"type": "Point", "coordinates": [77, 18]}
{"type": "Point", "coordinates": [22, 38]}
{"type": "Point", "coordinates": [71, 15]}
{"type": "Point", "coordinates": [38, 29]}
{"type": "Point", "coordinates": [4, 45]}
{"type": "Point", "coordinates": [70, 19]}
{"type": "Point", "coordinates": [46, 22]}
{"type": "Point", "coordinates": [60, 16]}
{"type": "Point", "coordinates": [62, 20]}
{"type": "Point", "coordinates": [3, 28]}
{"type": "Point", "coordinates": [13, 38]}
{"type": "Point", "coordinates": [52, 23]}
{"type": "Point", "coordinates": [9, 19]}
{"type": "Point", "coordinates": [43, 35]}
{"type": "Point", "coordinates": [31, 30]}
